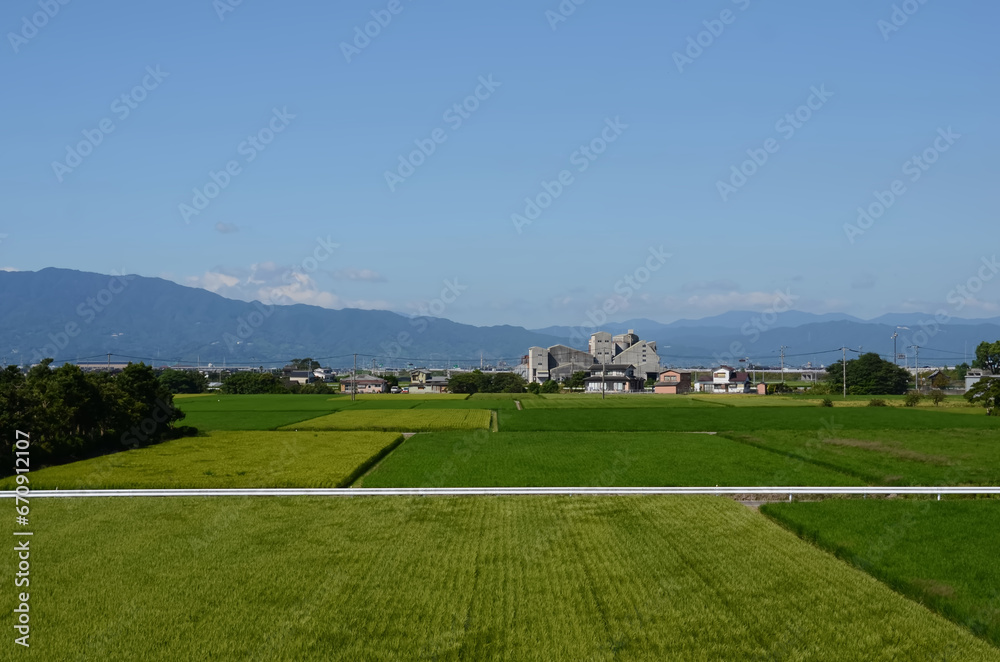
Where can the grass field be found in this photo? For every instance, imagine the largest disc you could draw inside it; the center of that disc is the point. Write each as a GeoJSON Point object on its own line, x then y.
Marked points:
{"type": "Point", "coordinates": [479, 459]}
{"type": "Point", "coordinates": [893, 457]}
{"type": "Point", "coordinates": [539, 578]}
{"type": "Point", "coordinates": [943, 554]}
{"type": "Point", "coordinates": [708, 417]}
{"type": "Point", "coordinates": [226, 459]}
{"type": "Point", "coordinates": [405, 421]}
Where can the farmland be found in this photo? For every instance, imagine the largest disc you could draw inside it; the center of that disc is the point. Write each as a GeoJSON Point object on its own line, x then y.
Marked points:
{"type": "Point", "coordinates": [893, 457]}
{"type": "Point", "coordinates": [449, 459]}
{"type": "Point", "coordinates": [544, 578]}
{"type": "Point", "coordinates": [225, 459]}
{"type": "Point", "coordinates": [535, 577]}
{"type": "Point", "coordinates": [404, 421]}
{"type": "Point", "coordinates": [723, 418]}
{"type": "Point", "coordinates": [942, 554]}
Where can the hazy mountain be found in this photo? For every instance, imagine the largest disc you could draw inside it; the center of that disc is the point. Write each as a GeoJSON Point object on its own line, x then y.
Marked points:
{"type": "Point", "coordinates": [70, 315]}
{"type": "Point", "coordinates": [73, 315]}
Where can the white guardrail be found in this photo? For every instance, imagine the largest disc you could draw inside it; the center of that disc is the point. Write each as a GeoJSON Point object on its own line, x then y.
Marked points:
{"type": "Point", "coordinates": [500, 491]}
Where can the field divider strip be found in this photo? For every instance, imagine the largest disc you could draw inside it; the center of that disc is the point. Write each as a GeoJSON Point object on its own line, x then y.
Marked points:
{"type": "Point", "coordinates": [494, 491]}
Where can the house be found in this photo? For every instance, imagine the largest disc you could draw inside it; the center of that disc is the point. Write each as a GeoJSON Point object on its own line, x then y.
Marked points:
{"type": "Point", "coordinates": [364, 384]}
{"type": "Point", "coordinates": [420, 376]}
{"type": "Point", "coordinates": [302, 377]}
{"type": "Point", "coordinates": [324, 374]}
{"type": "Point", "coordinates": [613, 377]}
{"type": "Point", "coordinates": [724, 380]}
{"type": "Point", "coordinates": [673, 382]}
{"type": "Point", "coordinates": [430, 385]}
{"type": "Point", "coordinates": [976, 374]}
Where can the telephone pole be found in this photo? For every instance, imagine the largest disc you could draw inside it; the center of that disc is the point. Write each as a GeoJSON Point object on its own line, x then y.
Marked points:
{"type": "Point", "coordinates": [916, 368]}
{"type": "Point", "coordinates": [845, 371]}
{"type": "Point", "coordinates": [604, 369]}
{"type": "Point", "coordinates": [783, 348]}
{"type": "Point", "coordinates": [354, 378]}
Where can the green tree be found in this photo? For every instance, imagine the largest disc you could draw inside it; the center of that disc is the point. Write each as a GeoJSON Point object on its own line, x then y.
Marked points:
{"type": "Point", "coordinates": [304, 364]}
{"type": "Point", "coordinates": [534, 387]}
{"type": "Point", "coordinates": [549, 386]}
{"type": "Point", "coordinates": [468, 382]}
{"type": "Point", "coordinates": [71, 414]}
{"type": "Point", "coordinates": [988, 356]}
{"type": "Point", "coordinates": [317, 388]}
{"type": "Point", "coordinates": [870, 374]}
{"type": "Point", "coordinates": [391, 380]}
{"type": "Point", "coordinates": [245, 383]}
{"type": "Point", "coordinates": [183, 381]}
{"type": "Point", "coordinates": [961, 370]}
{"type": "Point", "coordinates": [986, 393]}
{"type": "Point", "coordinates": [576, 379]}
{"type": "Point", "coordinates": [506, 382]}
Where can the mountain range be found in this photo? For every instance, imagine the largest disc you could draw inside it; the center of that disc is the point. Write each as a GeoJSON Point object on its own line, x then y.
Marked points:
{"type": "Point", "coordinates": [73, 316]}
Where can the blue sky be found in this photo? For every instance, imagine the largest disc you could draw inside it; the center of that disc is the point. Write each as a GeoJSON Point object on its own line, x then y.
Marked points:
{"type": "Point", "coordinates": [655, 225]}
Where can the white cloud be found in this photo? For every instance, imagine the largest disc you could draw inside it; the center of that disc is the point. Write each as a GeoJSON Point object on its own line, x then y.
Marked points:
{"type": "Point", "coordinates": [274, 284]}
{"type": "Point", "coordinates": [226, 228]}
{"type": "Point", "coordinates": [359, 274]}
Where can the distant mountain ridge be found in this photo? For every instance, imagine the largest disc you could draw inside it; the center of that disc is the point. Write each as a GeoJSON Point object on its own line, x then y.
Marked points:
{"type": "Point", "coordinates": [73, 315]}
{"type": "Point", "coordinates": [69, 315]}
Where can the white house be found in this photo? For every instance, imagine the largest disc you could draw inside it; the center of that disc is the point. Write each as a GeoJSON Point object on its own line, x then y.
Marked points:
{"type": "Point", "coordinates": [724, 380]}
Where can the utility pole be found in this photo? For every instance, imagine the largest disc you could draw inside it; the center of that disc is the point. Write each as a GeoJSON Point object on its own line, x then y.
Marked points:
{"type": "Point", "coordinates": [354, 378]}
{"type": "Point", "coordinates": [109, 363]}
{"type": "Point", "coordinates": [895, 356]}
{"type": "Point", "coordinates": [604, 370]}
{"type": "Point", "coordinates": [845, 371]}
{"type": "Point", "coordinates": [916, 368]}
{"type": "Point", "coordinates": [783, 348]}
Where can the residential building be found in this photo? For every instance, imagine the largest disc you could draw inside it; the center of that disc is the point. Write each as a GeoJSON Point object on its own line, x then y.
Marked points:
{"type": "Point", "coordinates": [613, 378]}
{"type": "Point", "coordinates": [301, 377]}
{"type": "Point", "coordinates": [364, 384]}
{"type": "Point", "coordinates": [724, 380]}
{"type": "Point", "coordinates": [673, 382]}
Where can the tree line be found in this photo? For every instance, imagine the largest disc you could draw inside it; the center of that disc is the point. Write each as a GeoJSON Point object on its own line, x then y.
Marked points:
{"type": "Point", "coordinates": [70, 414]}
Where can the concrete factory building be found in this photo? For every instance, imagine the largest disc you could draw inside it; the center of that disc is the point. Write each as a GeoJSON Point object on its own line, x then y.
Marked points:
{"type": "Point", "coordinates": [559, 361]}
